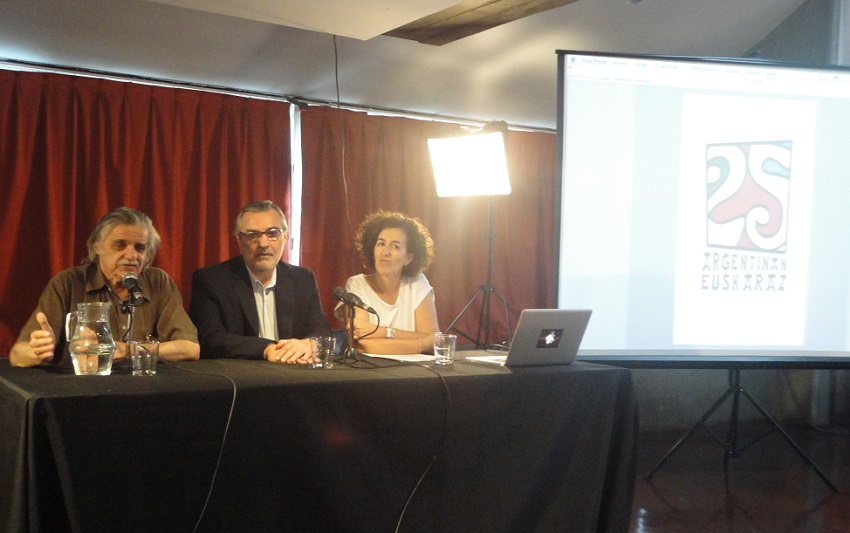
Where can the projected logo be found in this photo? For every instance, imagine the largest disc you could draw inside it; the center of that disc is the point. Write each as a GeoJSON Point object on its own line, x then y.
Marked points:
{"type": "Point", "coordinates": [549, 338]}
{"type": "Point", "coordinates": [747, 191]}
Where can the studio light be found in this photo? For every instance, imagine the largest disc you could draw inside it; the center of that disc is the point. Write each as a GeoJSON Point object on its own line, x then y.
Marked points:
{"type": "Point", "coordinates": [474, 165]}
{"type": "Point", "coordinates": [470, 165]}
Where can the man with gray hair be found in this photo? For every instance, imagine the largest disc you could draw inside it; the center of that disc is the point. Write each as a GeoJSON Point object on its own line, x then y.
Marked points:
{"type": "Point", "coordinates": [123, 241]}
{"type": "Point", "coordinates": [255, 306]}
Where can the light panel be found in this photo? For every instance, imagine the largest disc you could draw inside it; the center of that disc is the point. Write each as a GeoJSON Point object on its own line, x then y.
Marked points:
{"type": "Point", "coordinates": [470, 165]}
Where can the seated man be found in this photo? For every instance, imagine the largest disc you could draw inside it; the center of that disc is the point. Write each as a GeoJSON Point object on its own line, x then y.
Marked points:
{"type": "Point", "coordinates": [255, 306]}
{"type": "Point", "coordinates": [123, 241]}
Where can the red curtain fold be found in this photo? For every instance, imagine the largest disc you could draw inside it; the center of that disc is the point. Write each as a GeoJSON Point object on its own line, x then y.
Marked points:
{"type": "Point", "coordinates": [72, 147]}
{"type": "Point", "coordinates": [387, 166]}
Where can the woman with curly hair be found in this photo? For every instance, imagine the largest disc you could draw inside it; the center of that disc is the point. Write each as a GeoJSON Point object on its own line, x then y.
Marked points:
{"type": "Point", "coordinates": [397, 248]}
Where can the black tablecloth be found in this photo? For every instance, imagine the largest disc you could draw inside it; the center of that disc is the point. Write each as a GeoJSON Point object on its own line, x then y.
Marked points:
{"type": "Point", "coordinates": [471, 447]}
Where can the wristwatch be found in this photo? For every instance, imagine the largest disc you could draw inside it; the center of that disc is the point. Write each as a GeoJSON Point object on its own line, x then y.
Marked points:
{"type": "Point", "coordinates": [390, 333]}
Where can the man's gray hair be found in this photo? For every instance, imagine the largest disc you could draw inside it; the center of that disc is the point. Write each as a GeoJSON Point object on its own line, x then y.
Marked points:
{"type": "Point", "coordinates": [260, 206]}
{"type": "Point", "coordinates": [129, 217]}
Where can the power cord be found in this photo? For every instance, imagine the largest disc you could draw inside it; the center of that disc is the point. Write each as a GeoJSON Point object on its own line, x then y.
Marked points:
{"type": "Point", "coordinates": [374, 366]}
{"type": "Point", "coordinates": [223, 437]}
{"type": "Point", "coordinates": [346, 202]}
{"type": "Point", "coordinates": [440, 443]}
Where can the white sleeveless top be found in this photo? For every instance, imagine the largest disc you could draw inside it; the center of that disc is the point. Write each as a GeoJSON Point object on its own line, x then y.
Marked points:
{"type": "Point", "coordinates": [399, 315]}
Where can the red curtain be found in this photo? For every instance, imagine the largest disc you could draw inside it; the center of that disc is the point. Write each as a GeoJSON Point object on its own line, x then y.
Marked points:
{"type": "Point", "coordinates": [387, 166]}
{"type": "Point", "coordinates": [72, 147]}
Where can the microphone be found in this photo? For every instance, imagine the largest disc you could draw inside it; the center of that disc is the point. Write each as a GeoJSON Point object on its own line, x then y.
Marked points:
{"type": "Point", "coordinates": [131, 281]}
{"type": "Point", "coordinates": [349, 298]}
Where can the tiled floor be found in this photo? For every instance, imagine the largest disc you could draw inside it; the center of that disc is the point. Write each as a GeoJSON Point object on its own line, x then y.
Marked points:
{"type": "Point", "coordinates": [769, 487]}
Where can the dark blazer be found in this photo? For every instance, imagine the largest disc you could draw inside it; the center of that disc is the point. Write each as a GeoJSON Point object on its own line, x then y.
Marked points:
{"type": "Point", "coordinates": [225, 313]}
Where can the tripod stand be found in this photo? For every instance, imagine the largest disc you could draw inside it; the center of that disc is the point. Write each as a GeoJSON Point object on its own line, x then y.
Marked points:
{"type": "Point", "coordinates": [735, 390]}
{"type": "Point", "coordinates": [484, 291]}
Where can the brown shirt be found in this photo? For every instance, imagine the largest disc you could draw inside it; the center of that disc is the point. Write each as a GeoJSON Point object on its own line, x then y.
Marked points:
{"type": "Point", "coordinates": [161, 316]}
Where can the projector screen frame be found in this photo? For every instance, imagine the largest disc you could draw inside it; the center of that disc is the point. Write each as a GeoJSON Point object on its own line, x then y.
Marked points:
{"type": "Point", "coordinates": [686, 358]}
{"type": "Point", "coordinates": [718, 362]}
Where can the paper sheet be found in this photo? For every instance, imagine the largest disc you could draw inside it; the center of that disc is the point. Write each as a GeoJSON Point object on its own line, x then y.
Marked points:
{"type": "Point", "coordinates": [405, 358]}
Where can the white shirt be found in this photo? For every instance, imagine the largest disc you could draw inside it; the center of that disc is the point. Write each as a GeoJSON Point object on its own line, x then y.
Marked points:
{"type": "Point", "coordinates": [264, 298]}
{"type": "Point", "coordinates": [401, 314]}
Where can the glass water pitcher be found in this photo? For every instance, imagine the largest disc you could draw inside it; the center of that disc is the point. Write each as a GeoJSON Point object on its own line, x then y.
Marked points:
{"type": "Point", "coordinates": [91, 344]}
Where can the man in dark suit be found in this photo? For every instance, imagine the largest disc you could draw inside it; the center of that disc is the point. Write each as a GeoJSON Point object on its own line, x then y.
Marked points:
{"type": "Point", "coordinates": [255, 306]}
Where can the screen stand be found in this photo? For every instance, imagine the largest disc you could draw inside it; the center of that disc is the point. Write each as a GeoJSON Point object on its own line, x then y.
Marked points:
{"type": "Point", "coordinates": [735, 390]}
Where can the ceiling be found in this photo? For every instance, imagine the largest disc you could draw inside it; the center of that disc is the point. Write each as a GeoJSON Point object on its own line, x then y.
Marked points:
{"type": "Point", "coordinates": [491, 66]}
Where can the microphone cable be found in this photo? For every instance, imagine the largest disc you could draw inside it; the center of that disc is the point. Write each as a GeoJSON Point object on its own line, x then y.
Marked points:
{"type": "Point", "coordinates": [223, 437]}
{"type": "Point", "coordinates": [414, 490]}
{"type": "Point", "coordinates": [440, 444]}
{"type": "Point", "coordinates": [439, 447]}
{"type": "Point", "coordinates": [131, 317]}
{"type": "Point", "coordinates": [373, 331]}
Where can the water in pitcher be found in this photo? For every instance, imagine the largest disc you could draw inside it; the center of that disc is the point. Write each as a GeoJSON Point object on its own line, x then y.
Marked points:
{"type": "Point", "coordinates": [91, 344]}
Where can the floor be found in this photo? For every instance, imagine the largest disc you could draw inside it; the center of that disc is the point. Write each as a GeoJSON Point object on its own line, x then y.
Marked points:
{"type": "Point", "coordinates": [769, 487]}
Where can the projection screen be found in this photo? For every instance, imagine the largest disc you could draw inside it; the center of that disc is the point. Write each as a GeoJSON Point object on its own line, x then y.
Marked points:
{"type": "Point", "coordinates": [705, 207]}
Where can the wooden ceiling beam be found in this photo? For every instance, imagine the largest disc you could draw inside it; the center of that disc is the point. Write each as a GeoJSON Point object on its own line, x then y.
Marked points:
{"type": "Point", "coordinates": [470, 17]}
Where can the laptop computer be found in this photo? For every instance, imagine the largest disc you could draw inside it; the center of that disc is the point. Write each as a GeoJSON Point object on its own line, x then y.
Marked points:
{"type": "Point", "coordinates": [542, 337]}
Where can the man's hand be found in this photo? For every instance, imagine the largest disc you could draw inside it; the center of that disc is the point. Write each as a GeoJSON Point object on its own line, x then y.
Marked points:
{"type": "Point", "coordinates": [43, 341]}
{"type": "Point", "coordinates": [292, 351]}
{"type": "Point", "coordinates": [122, 351]}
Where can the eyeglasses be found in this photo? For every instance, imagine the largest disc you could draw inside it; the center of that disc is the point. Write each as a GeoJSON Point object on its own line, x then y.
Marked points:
{"type": "Point", "coordinates": [252, 236]}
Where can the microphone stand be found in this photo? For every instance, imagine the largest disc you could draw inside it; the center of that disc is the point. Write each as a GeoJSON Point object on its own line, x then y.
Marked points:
{"type": "Point", "coordinates": [128, 307]}
{"type": "Point", "coordinates": [350, 353]}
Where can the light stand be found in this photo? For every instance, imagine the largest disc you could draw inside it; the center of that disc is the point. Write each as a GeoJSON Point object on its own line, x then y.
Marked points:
{"type": "Point", "coordinates": [474, 165]}
{"type": "Point", "coordinates": [484, 291]}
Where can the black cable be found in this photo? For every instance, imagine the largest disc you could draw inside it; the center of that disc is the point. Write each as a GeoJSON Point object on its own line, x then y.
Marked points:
{"type": "Point", "coordinates": [373, 366]}
{"type": "Point", "coordinates": [130, 320]}
{"type": "Point", "coordinates": [223, 437]}
{"type": "Point", "coordinates": [440, 443]}
{"type": "Point", "coordinates": [353, 248]}
{"type": "Point", "coordinates": [357, 363]}
{"type": "Point", "coordinates": [346, 202]}
{"type": "Point", "coordinates": [373, 331]}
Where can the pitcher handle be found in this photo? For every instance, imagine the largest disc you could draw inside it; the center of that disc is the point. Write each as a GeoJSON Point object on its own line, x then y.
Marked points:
{"type": "Point", "coordinates": [68, 327]}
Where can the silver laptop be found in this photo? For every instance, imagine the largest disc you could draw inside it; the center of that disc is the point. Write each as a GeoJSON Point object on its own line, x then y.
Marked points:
{"type": "Point", "coordinates": [542, 337]}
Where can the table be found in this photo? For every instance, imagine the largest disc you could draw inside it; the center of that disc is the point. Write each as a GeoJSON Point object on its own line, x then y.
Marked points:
{"type": "Point", "coordinates": [471, 447]}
